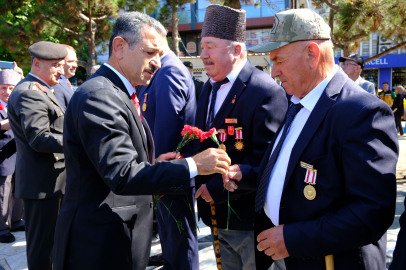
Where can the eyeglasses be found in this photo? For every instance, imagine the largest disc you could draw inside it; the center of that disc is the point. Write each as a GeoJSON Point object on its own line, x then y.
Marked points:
{"type": "Point", "coordinates": [348, 64]}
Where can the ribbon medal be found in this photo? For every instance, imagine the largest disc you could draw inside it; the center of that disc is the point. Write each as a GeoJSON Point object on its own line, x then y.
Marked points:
{"type": "Point", "coordinates": [238, 136]}
{"type": "Point", "coordinates": [310, 179]}
{"type": "Point", "coordinates": [222, 137]}
{"type": "Point", "coordinates": [144, 106]}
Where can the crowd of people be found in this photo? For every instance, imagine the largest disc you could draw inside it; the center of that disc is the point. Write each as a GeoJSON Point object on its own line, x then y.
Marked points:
{"type": "Point", "coordinates": [310, 165]}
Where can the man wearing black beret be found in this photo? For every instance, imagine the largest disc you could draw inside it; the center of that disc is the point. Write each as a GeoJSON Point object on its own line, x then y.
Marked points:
{"type": "Point", "coordinates": [36, 119]}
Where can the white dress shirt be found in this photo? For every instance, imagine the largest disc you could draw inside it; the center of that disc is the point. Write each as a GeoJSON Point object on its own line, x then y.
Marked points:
{"type": "Point", "coordinates": [225, 88]}
{"type": "Point", "coordinates": [278, 174]}
{"type": "Point", "coordinates": [130, 89]}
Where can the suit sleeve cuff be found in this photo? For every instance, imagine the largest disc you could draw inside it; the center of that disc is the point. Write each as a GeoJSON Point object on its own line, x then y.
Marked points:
{"type": "Point", "coordinates": [192, 167]}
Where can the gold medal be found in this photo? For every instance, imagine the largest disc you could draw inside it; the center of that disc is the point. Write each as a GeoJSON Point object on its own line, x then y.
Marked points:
{"type": "Point", "coordinates": [144, 107]}
{"type": "Point", "coordinates": [239, 145]}
{"type": "Point", "coordinates": [223, 147]}
{"type": "Point", "coordinates": [309, 192]}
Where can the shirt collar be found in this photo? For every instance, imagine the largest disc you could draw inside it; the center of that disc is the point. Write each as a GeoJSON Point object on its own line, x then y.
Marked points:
{"type": "Point", "coordinates": [47, 85]}
{"type": "Point", "coordinates": [232, 76]}
{"type": "Point", "coordinates": [64, 78]}
{"type": "Point", "coordinates": [2, 102]}
{"type": "Point", "coordinates": [358, 81]}
{"type": "Point", "coordinates": [127, 84]}
{"type": "Point", "coordinates": [310, 100]}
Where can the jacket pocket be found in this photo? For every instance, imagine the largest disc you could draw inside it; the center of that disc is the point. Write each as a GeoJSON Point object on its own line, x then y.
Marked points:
{"type": "Point", "coordinates": [117, 214]}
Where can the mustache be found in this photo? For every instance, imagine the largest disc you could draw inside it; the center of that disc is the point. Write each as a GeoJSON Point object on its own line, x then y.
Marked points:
{"type": "Point", "coordinates": [208, 63]}
{"type": "Point", "coordinates": [150, 68]}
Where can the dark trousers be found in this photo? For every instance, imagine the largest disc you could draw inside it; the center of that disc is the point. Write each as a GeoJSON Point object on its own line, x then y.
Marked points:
{"type": "Point", "coordinates": [398, 122]}
{"type": "Point", "coordinates": [40, 220]}
{"type": "Point", "coordinates": [179, 248]}
{"type": "Point", "coordinates": [11, 208]}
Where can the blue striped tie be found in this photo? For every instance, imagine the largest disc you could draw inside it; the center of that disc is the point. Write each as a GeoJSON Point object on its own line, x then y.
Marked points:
{"type": "Point", "coordinates": [264, 182]}
{"type": "Point", "coordinates": [215, 88]}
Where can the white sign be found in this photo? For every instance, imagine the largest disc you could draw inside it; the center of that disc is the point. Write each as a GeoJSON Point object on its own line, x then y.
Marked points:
{"type": "Point", "coordinates": [191, 47]}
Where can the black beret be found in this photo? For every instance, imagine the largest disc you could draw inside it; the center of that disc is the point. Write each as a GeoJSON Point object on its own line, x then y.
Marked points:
{"type": "Point", "coordinates": [47, 50]}
{"type": "Point", "coordinates": [188, 64]}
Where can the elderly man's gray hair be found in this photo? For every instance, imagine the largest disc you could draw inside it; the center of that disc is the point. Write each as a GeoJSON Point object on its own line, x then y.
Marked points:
{"type": "Point", "coordinates": [130, 25]}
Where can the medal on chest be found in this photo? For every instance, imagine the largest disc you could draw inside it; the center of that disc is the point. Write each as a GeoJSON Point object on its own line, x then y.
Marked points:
{"type": "Point", "coordinates": [238, 136]}
{"type": "Point", "coordinates": [222, 138]}
{"type": "Point", "coordinates": [310, 180]}
{"type": "Point", "coordinates": [144, 106]}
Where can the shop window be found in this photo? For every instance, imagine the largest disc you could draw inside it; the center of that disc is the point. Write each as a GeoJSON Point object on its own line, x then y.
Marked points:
{"type": "Point", "coordinates": [398, 77]}
{"type": "Point", "coordinates": [371, 75]}
{"type": "Point", "coordinates": [365, 48]}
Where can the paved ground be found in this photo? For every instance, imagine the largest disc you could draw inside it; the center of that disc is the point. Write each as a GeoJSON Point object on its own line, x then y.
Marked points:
{"type": "Point", "coordinates": [13, 256]}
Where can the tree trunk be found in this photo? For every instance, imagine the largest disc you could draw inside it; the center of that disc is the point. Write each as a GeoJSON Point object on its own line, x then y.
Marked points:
{"type": "Point", "coordinates": [91, 60]}
{"type": "Point", "coordinates": [346, 50]}
{"type": "Point", "coordinates": [175, 31]}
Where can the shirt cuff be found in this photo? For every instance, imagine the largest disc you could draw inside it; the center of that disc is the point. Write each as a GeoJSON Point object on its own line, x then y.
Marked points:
{"type": "Point", "coordinates": [192, 167]}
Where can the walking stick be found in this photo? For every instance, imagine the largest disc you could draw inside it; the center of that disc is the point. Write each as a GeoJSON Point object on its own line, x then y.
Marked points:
{"type": "Point", "coordinates": [329, 262]}
{"type": "Point", "coordinates": [216, 235]}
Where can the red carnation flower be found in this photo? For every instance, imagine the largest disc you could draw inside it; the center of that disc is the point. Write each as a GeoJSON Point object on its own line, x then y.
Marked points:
{"type": "Point", "coordinates": [1, 106]}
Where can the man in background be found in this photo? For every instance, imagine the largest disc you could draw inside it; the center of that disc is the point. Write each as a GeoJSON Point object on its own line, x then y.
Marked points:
{"type": "Point", "coordinates": [353, 66]}
{"type": "Point", "coordinates": [387, 95]}
{"type": "Point", "coordinates": [36, 119]}
{"type": "Point", "coordinates": [168, 103]}
{"type": "Point", "coordinates": [94, 69]}
{"type": "Point", "coordinates": [64, 89]}
{"type": "Point", "coordinates": [11, 207]}
{"type": "Point", "coordinates": [198, 83]}
{"type": "Point", "coordinates": [398, 109]}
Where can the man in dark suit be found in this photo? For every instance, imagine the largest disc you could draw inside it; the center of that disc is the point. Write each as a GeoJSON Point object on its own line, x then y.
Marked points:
{"type": "Point", "coordinates": [64, 90]}
{"type": "Point", "coordinates": [326, 185]}
{"type": "Point", "coordinates": [169, 103]}
{"type": "Point", "coordinates": [109, 156]}
{"type": "Point", "coordinates": [198, 83]}
{"type": "Point", "coordinates": [36, 119]}
{"type": "Point", "coordinates": [248, 107]}
{"type": "Point", "coordinates": [11, 208]}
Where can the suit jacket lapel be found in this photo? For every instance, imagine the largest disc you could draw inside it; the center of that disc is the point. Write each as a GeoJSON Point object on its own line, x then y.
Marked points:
{"type": "Point", "coordinates": [125, 96]}
{"type": "Point", "coordinates": [327, 99]}
{"type": "Point", "coordinates": [235, 91]}
{"type": "Point", "coordinates": [201, 113]}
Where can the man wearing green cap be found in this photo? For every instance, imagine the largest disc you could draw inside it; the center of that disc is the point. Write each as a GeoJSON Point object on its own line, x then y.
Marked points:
{"type": "Point", "coordinates": [326, 185]}
{"type": "Point", "coordinates": [36, 119]}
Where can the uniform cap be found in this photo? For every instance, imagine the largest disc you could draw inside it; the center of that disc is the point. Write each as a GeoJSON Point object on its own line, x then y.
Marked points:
{"type": "Point", "coordinates": [188, 64]}
{"type": "Point", "coordinates": [294, 25]}
{"type": "Point", "coordinates": [9, 76]}
{"type": "Point", "coordinates": [354, 57]}
{"type": "Point", "coordinates": [225, 23]}
{"type": "Point", "coordinates": [47, 50]}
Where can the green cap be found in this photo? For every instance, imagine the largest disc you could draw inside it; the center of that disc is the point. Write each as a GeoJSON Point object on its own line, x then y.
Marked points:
{"type": "Point", "coordinates": [294, 25]}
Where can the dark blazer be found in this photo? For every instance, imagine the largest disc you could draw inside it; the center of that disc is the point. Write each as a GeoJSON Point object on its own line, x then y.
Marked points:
{"type": "Point", "coordinates": [171, 104]}
{"type": "Point", "coordinates": [100, 225]}
{"type": "Point", "coordinates": [63, 93]}
{"type": "Point", "coordinates": [399, 258]}
{"type": "Point", "coordinates": [259, 107]}
{"type": "Point", "coordinates": [36, 119]}
{"type": "Point", "coordinates": [398, 103]}
{"type": "Point", "coordinates": [351, 141]}
{"type": "Point", "coordinates": [8, 149]}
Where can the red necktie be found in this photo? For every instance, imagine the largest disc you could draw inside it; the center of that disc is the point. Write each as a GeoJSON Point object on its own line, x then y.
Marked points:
{"type": "Point", "coordinates": [136, 104]}
{"type": "Point", "coordinates": [70, 85]}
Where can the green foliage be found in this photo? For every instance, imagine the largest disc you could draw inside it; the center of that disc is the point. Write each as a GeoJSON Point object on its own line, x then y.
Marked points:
{"type": "Point", "coordinates": [355, 19]}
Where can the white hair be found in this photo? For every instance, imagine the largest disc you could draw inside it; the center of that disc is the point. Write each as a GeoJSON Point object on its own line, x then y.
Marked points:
{"type": "Point", "coordinates": [243, 48]}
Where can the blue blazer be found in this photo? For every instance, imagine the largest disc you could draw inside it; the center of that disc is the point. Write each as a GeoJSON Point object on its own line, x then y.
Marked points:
{"type": "Point", "coordinates": [8, 149]}
{"type": "Point", "coordinates": [171, 107]}
{"type": "Point", "coordinates": [63, 93]}
{"type": "Point", "coordinates": [350, 139]}
{"type": "Point", "coordinates": [259, 106]}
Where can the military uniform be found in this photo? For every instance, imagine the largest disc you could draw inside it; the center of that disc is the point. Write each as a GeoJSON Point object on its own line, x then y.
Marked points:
{"type": "Point", "coordinates": [198, 86]}
{"type": "Point", "coordinates": [36, 119]}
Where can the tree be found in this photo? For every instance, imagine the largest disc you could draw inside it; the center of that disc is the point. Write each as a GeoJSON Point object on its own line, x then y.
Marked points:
{"type": "Point", "coordinates": [352, 20]}
{"type": "Point", "coordinates": [23, 22]}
